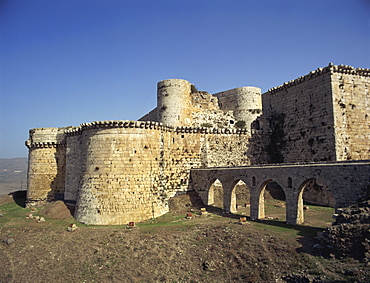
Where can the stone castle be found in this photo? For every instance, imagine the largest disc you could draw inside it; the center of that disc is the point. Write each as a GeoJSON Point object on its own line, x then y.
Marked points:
{"type": "Point", "coordinates": [122, 171]}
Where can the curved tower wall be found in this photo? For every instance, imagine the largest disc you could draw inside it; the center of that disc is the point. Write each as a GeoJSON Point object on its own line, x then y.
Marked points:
{"type": "Point", "coordinates": [174, 102]}
{"type": "Point", "coordinates": [46, 164]}
{"type": "Point", "coordinates": [245, 102]}
{"type": "Point", "coordinates": [121, 176]}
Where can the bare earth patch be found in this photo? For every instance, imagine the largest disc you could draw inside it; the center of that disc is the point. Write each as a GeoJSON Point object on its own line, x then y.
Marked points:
{"type": "Point", "coordinates": [207, 248]}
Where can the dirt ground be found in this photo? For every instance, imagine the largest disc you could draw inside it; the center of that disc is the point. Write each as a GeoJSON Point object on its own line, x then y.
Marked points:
{"type": "Point", "coordinates": [207, 248]}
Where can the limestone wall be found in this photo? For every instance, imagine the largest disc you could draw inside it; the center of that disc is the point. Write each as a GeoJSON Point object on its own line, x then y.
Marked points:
{"type": "Point", "coordinates": [120, 179]}
{"type": "Point", "coordinates": [213, 119]}
{"type": "Point", "coordinates": [228, 149]}
{"type": "Point", "coordinates": [322, 116]}
{"type": "Point", "coordinates": [245, 102]}
{"type": "Point", "coordinates": [181, 104]}
{"type": "Point", "coordinates": [174, 102]}
{"type": "Point", "coordinates": [206, 112]}
{"type": "Point", "coordinates": [151, 116]}
{"type": "Point", "coordinates": [346, 182]}
{"type": "Point", "coordinates": [74, 150]}
{"type": "Point", "coordinates": [301, 119]}
{"type": "Point", "coordinates": [46, 164]}
{"type": "Point", "coordinates": [351, 103]}
{"type": "Point", "coordinates": [122, 171]}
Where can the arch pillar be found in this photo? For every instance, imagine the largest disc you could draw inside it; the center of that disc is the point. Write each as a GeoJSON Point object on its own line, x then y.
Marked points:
{"type": "Point", "coordinates": [294, 206]}
{"type": "Point", "coordinates": [227, 201]}
{"type": "Point", "coordinates": [257, 206]}
{"type": "Point", "coordinates": [200, 184]}
{"type": "Point", "coordinates": [210, 196]}
{"type": "Point", "coordinates": [233, 201]}
{"type": "Point", "coordinates": [204, 196]}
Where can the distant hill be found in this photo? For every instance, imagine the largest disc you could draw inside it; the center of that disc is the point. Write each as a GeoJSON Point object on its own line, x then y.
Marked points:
{"type": "Point", "coordinates": [13, 175]}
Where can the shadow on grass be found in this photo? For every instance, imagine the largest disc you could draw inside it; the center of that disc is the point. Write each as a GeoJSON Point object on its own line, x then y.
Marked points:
{"type": "Point", "coordinates": [305, 233]}
{"type": "Point", "coordinates": [19, 198]}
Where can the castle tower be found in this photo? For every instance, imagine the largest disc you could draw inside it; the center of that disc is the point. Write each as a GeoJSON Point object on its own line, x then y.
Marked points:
{"type": "Point", "coordinates": [174, 102]}
{"type": "Point", "coordinates": [245, 102]}
{"type": "Point", "coordinates": [46, 164]}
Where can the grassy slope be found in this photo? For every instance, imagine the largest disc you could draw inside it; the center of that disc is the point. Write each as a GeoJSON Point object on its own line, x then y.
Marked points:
{"type": "Point", "coordinates": [168, 249]}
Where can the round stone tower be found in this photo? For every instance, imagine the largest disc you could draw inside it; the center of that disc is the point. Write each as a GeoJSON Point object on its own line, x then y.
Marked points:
{"type": "Point", "coordinates": [174, 102]}
{"type": "Point", "coordinates": [46, 164]}
{"type": "Point", "coordinates": [245, 102]}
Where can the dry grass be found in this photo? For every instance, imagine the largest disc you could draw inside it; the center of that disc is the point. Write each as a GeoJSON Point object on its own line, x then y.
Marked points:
{"type": "Point", "coordinates": [210, 248]}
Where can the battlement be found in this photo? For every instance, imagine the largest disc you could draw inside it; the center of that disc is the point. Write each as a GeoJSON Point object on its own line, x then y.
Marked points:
{"type": "Point", "coordinates": [118, 171]}
{"type": "Point", "coordinates": [343, 69]}
{"type": "Point", "coordinates": [110, 124]}
{"type": "Point", "coordinates": [46, 137]}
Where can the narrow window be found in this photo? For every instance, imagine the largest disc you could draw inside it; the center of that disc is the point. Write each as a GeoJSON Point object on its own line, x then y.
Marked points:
{"type": "Point", "coordinates": [289, 182]}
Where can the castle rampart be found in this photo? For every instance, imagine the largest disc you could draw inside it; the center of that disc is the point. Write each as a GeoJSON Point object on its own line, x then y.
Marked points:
{"type": "Point", "coordinates": [245, 102]}
{"type": "Point", "coordinates": [174, 102]}
{"type": "Point", "coordinates": [351, 106]}
{"type": "Point", "coordinates": [120, 171]}
{"type": "Point", "coordinates": [46, 163]}
{"type": "Point", "coordinates": [331, 104]}
{"type": "Point", "coordinates": [348, 182]}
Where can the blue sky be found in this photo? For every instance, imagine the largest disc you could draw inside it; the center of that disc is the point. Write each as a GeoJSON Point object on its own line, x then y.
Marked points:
{"type": "Point", "coordinates": [73, 61]}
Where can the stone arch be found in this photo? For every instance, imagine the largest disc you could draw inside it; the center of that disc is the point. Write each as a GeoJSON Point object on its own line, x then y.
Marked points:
{"type": "Point", "coordinates": [240, 195]}
{"type": "Point", "coordinates": [261, 196]}
{"type": "Point", "coordinates": [318, 193]}
{"type": "Point", "coordinates": [215, 188]}
{"type": "Point", "coordinates": [300, 197]}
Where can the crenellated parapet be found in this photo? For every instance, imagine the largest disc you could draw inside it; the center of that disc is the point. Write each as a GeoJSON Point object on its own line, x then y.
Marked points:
{"type": "Point", "coordinates": [119, 171]}
{"type": "Point", "coordinates": [140, 125]}
{"type": "Point", "coordinates": [46, 164]}
{"type": "Point", "coordinates": [46, 138]}
{"type": "Point", "coordinates": [31, 145]}
{"type": "Point", "coordinates": [343, 69]}
{"type": "Point", "coordinates": [118, 124]}
{"type": "Point", "coordinates": [204, 130]}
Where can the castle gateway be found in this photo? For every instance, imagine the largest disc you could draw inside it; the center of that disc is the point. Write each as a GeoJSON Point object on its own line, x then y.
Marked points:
{"type": "Point", "coordinates": [122, 171]}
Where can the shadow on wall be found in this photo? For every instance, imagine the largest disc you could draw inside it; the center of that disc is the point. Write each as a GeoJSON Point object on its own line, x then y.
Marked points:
{"type": "Point", "coordinates": [185, 201]}
{"type": "Point", "coordinates": [267, 142]}
{"type": "Point", "coordinates": [58, 184]}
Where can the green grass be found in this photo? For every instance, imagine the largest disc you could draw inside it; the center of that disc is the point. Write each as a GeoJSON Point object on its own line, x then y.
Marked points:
{"type": "Point", "coordinates": [14, 215]}
{"type": "Point", "coordinates": [11, 211]}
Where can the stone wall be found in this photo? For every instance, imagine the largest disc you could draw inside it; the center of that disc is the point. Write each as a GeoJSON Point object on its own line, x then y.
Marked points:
{"type": "Point", "coordinates": [123, 176]}
{"type": "Point", "coordinates": [74, 151]}
{"type": "Point", "coordinates": [122, 171]}
{"type": "Point", "coordinates": [322, 116]}
{"type": "Point", "coordinates": [245, 102]}
{"type": "Point", "coordinates": [46, 164]}
{"type": "Point", "coordinates": [174, 102]}
{"type": "Point", "coordinates": [301, 119]}
{"type": "Point", "coordinates": [351, 103]}
{"type": "Point", "coordinates": [228, 149]}
{"type": "Point", "coordinates": [151, 116]}
{"type": "Point", "coordinates": [181, 104]}
{"type": "Point", "coordinates": [347, 183]}
{"type": "Point", "coordinates": [206, 112]}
